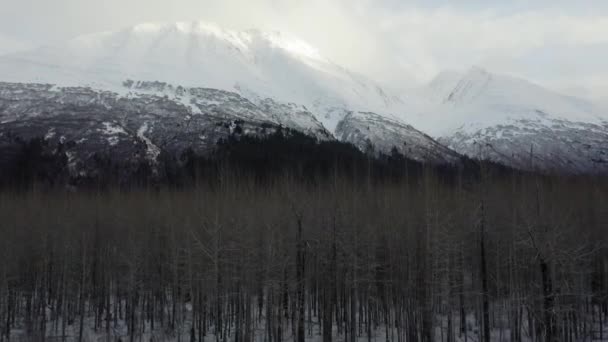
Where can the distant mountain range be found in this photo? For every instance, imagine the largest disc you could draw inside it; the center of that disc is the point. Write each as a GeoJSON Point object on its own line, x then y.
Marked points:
{"type": "Point", "coordinates": [515, 122]}
{"type": "Point", "coordinates": [158, 88]}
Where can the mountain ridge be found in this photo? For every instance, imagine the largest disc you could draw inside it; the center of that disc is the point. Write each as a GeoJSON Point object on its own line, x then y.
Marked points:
{"type": "Point", "coordinates": [508, 117]}
{"type": "Point", "coordinates": [277, 78]}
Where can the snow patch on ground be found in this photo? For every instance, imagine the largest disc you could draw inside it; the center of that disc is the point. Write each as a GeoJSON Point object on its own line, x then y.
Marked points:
{"type": "Point", "coordinates": [50, 134]}
{"type": "Point", "coordinates": [113, 131]}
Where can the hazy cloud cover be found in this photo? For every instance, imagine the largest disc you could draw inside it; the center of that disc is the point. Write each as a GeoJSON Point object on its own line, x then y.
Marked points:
{"type": "Point", "coordinates": [10, 44]}
{"type": "Point", "coordinates": [561, 44]}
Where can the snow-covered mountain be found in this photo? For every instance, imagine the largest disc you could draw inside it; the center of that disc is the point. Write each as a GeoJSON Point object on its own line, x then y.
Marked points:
{"type": "Point", "coordinates": [260, 76]}
{"type": "Point", "coordinates": [515, 122]}
{"type": "Point", "coordinates": [263, 64]}
{"type": "Point", "coordinates": [197, 75]}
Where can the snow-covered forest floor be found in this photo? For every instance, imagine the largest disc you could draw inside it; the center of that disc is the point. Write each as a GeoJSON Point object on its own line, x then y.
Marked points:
{"type": "Point", "coordinates": [119, 331]}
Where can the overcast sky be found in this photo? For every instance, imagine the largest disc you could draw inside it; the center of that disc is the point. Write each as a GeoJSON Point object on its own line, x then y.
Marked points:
{"type": "Point", "coordinates": [562, 44]}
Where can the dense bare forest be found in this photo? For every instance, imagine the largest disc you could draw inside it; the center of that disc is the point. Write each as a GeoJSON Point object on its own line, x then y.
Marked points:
{"type": "Point", "coordinates": [422, 256]}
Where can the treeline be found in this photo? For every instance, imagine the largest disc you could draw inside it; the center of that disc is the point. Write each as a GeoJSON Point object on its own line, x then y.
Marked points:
{"type": "Point", "coordinates": [431, 256]}
{"type": "Point", "coordinates": [261, 159]}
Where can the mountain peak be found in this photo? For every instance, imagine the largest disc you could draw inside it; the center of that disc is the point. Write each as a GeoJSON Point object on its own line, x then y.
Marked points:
{"type": "Point", "coordinates": [477, 70]}
{"type": "Point", "coordinates": [267, 64]}
{"type": "Point", "coordinates": [192, 27]}
{"type": "Point", "coordinates": [455, 88]}
{"type": "Point", "coordinates": [240, 39]}
{"type": "Point", "coordinates": [287, 42]}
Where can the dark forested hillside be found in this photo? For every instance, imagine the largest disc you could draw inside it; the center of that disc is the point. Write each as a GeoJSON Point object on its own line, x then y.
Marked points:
{"type": "Point", "coordinates": [475, 253]}
{"type": "Point", "coordinates": [261, 159]}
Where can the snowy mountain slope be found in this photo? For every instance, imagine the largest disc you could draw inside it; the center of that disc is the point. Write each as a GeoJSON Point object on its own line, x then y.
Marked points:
{"type": "Point", "coordinates": [271, 65]}
{"type": "Point", "coordinates": [215, 102]}
{"type": "Point", "coordinates": [265, 76]}
{"type": "Point", "coordinates": [375, 133]}
{"type": "Point", "coordinates": [136, 127]}
{"type": "Point", "coordinates": [512, 121]}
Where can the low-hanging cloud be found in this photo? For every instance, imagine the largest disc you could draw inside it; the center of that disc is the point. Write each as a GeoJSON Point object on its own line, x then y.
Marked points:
{"type": "Point", "coordinates": [399, 43]}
